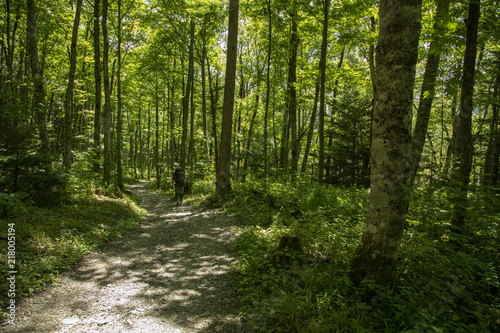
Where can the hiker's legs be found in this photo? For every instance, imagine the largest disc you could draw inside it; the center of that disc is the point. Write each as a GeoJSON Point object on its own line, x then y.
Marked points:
{"type": "Point", "coordinates": [181, 193]}
{"type": "Point", "coordinates": [177, 194]}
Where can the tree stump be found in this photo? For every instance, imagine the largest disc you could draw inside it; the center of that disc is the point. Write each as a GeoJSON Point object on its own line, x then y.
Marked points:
{"type": "Point", "coordinates": [288, 248]}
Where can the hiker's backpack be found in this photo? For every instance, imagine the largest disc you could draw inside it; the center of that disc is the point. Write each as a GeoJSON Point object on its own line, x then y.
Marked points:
{"type": "Point", "coordinates": [180, 178]}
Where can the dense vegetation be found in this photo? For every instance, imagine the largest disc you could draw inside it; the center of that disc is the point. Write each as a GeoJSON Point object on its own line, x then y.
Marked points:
{"type": "Point", "coordinates": [437, 288]}
{"type": "Point", "coordinates": [313, 123]}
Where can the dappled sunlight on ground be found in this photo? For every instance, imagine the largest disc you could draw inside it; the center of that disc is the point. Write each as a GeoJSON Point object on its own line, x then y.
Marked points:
{"type": "Point", "coordinates": [170, 274]}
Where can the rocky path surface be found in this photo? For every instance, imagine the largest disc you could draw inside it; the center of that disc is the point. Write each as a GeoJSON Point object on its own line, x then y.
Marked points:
{"type": "Point", "coordinates": [169, 274]}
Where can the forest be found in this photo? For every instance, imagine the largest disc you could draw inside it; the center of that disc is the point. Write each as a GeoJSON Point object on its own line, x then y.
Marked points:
{"type": "Point", "coordinates": [358, 142]}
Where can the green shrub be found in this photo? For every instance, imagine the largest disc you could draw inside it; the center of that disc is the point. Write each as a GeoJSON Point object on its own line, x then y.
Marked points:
{"type": "Point", "coordinates": [11, 202]}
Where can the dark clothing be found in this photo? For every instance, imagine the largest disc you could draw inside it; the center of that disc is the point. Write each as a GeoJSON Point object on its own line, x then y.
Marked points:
{"type": "Point", "coordinates": [179, 178]}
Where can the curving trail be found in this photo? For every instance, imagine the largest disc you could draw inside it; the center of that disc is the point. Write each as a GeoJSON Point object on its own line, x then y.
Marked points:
{"type": "Point", "coordinates": [169, 274]}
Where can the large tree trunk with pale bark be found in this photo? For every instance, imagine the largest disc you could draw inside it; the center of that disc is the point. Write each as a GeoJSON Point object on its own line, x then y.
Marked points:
{"type": "Point", "coordinates": [396, 58]}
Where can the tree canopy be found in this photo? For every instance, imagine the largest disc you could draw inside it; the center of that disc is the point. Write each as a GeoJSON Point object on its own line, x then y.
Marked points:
{"type": "Point", "coordinates": [131, 88]}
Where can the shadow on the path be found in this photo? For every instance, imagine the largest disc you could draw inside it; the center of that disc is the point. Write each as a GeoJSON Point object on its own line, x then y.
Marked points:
{"type": "Point", "coordinates": [177, 261]}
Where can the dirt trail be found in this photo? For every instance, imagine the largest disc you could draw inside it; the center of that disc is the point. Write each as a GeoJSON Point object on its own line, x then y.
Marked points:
{"type": "Point", "coordinates": [169, 274]}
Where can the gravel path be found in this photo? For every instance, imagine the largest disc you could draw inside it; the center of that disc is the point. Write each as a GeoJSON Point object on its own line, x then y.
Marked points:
{"type": "Point", "coordinates": [169, 274]}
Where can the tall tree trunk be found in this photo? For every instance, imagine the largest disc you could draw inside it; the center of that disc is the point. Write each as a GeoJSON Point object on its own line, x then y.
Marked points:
{"type": "Point", "coordinates": [11, 38]}
{"type": "Point", "coordinates": [141, 144]}
{"type": "Point", "coordinates": [214, 97]}
{"type": "Point", "coordinates": [223, 183]}
{"type": "Point", "coordinates": [427, 93]}
{"type": "Point", "coordinates": [192, 153]}
{"type": "Point", "coordinates": [39, 94]}
{"type": "Point", "coordinates": [97, 76]}
{"type": "Point", "coordinates": [464, 146]}
{"type": "Point", "coordinates": [204, 99]}
{"type": "Point", "coordinates": [322, 68]}
{"type": "Point", "coordinates": [268, 84]}
{"type": "Point", "coordinates": [290, 114]}
{"type": "Point", "coordinates": [68, 101]}
{"type": "Point", "coordinates": [292, 102]}
{"type": "Point", "coordinates": [252, 122]}
{"type": "Point", "coordinates": [451, 144]}
{"type": "Point", "coordinates": [119, 120]}
{"type": "Point", "coordinates": [490, 172]}
{"type": "Point", "coordinates": [136, 148]}
{"type": "Point", "coordinates": [173, 154]}
{"type": "Point", "coordinates": [107, 96]}
{"type": "Point", "coordinates": [148, 143]}
{"type": "Point", "coordinates": [310, 132]}
{"type": "Point", "coordinates": [327, 167]}
{"type": "Point", "coordinates": [157, 133]}
{"type": "Point", "coordinates": [391, 140]}
{"type": "Point", "coordinates": [185, 107]}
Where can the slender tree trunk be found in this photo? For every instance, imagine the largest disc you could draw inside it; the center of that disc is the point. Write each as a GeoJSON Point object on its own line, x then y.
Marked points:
{"type": "Point", "coordinates": [141, 145]}
{"type": "Point", "coordinates": [213, 108]}
{"type": "Point", "coordinates": [451, 144]}
{"type": "Point", "coordinates": [185, 107]}
{"type": "Point", "coordinates": [157, 133]}
{"type": "Point", "coordinates": [223, 183]}
{"type": "Point", "coordinates": [464, 145]}
{"type": "Point", "coordinates": [97, 76]}
{"type": "Point", "coordinates": [327, 167]}
{"type": "Point", "coordinates": [427, 93]}
{"type": "Point", "coordinates": [490, 172]}
{"type": "Point", "coordinates": [173, 154]}
{"type": "Point", "coordinates": [136, 147]}
{"type": "Point", "coordinates": [268, 84]}
{"type": "Point", "coordinates": [310, 132]}
{"type": "Point", "coordinates": [396, 58]}
{"type": "Point", "coordinates": [119, 120]}
{"type": "Point", "coordinates": [68, 102]}
{"type": "Point", "coordinates": [322, 65]}
{"type": "Point", "coordinates": [292, 105]}
{"type": "Point", "coordinates": [204, 99]}
{"type": "Point", "coordinates": [39, 94]}
{"type": "Point", "coordinates": [237, 131]}
{"type": "Point", "coordinates": [107, 95]}
{"type": "Point", "coordinates": [148, 143]}
{"type": "Point", "coordinates": [290, 115]}
{"type": "Point", "coordinates": [192, 153]}
{"type": "Point", "coordinates": [252, 122]}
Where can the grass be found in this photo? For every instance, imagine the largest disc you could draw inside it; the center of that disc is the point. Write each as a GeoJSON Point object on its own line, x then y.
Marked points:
{"type": "Point", "coordinates": [438, 289]}
{"type": "Point", "coordinates": [52, 239]}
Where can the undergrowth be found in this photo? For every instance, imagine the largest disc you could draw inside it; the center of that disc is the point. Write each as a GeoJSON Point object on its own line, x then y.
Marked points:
{"type": "Point", "coordinates": [438, 289]}
{"type": "Point", "coordinates": [49, 240]}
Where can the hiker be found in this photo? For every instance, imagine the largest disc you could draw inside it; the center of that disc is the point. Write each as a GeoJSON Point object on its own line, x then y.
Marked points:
{"type": "Point", "coordinates": [179, 181]}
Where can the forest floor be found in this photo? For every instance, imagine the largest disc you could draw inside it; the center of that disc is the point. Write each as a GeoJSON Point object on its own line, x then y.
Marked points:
{"type": "Point", "coordinates": [169, 274]}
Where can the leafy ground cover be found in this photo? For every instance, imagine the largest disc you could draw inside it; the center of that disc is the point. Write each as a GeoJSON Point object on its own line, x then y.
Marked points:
{"type": "Point", "coordinates": [49, 240]}
{"type": "Point", "coordinates": [439, 288]}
